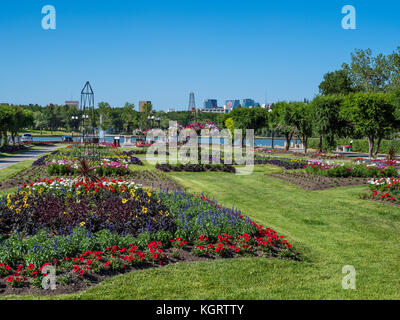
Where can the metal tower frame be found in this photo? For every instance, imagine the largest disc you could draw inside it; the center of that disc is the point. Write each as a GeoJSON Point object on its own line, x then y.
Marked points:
{"type": "Point", "coordinates": [87, 106]}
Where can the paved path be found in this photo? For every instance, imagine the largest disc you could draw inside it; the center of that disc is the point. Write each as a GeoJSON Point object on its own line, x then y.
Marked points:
{"type": "Point", "coordinates": [29, 155]}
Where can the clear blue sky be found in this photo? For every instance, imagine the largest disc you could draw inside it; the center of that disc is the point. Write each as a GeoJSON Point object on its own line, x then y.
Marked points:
{"type": "Point", "coordinates": [161, 50]}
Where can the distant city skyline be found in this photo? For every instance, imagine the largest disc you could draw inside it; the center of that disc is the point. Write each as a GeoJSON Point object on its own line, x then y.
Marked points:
{"type": "Point", "coordinates": [163, 50]}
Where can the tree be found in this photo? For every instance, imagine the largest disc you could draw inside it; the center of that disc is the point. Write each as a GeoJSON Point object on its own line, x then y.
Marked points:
{"type": "Point", "coordinates": [368, 73]}
{"type": "Point", "coordinates": [39, 120]}
{"type": "Point", "coordinates": [394, 59]}
{"type": "Point", "coordinates": [129, 116]}
{"type": "Point", "coordinates": [5, 120]}
{"type": "Point", "coordinates": [247, 118]}
{"type": "Point", "coordinates": [104, 111]}
{"type": "Point", "coordinates": [327, 121]}
{"type": "Point", "coordinates": [337, 82]}
{"type": "Point", "coordinates": [371, 115]}
{"type": "Point", "coordinates": [286, 121]}
{"type": "Point", "coordinates": [145, 114]}
{"type": "Point", "coordinates": [20, 119]}
{"type": "Point", "coordinates": [302, 120]}
{"type": "Point", "coordinates": [230, 125]}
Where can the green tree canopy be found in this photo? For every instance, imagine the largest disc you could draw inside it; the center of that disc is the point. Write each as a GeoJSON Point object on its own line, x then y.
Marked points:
{"type": "Point", "coordinates": [371, 115]}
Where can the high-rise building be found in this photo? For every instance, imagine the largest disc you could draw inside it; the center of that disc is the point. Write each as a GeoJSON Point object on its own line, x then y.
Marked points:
{"type": "Point", "coordinates": [142, 103]}
{"type": "Point", "coordinates": [210, 104]}
{"type": "Point", "coordinates": [248, 103]}
{"type": "Point", "coordinates": [232, 104]}
{"type": "Point", "coordinates": [192, 103]}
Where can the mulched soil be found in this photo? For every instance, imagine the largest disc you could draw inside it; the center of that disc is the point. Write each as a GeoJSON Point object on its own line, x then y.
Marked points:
{"type": "Point", "coordinates": [146, 178]}
{"type": "Point", "coordinates": [308, 181]}
{"type": "Point", "coordinates": [77, 284]}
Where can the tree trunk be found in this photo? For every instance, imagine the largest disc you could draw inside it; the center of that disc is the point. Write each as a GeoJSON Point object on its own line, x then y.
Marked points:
{"type": "Point", "coordinates": [305, 143]}
{"type": "Point", "coordinates": [371, 142]}
{"type": "Point", "coordinates": [5, 137]}
{"type": "Point", "coordinates": [272, 141]}
{"type": "Point", "coordinates": [288, 139]}
{"type": "Point", "coordinates": [378, 144]}
{"type": "Point", "coordinates": [320, 145]}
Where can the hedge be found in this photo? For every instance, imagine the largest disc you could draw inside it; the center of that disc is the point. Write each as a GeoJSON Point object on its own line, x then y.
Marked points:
{"type": "Point", "coordinates": [359, 145]}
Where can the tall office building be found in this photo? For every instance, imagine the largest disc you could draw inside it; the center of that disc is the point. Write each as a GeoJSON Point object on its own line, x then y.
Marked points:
{"type": "Point", "coordinates": [248, 103]}
{"type": "Point", "coordinates": [210, 104]}
{"type": "Point", "coordinates": [232, 104]}
{"type": "Point", "coordinates": [142, 103]}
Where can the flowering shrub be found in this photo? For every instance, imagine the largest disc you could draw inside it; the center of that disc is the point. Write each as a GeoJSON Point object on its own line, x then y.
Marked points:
{"type": "Point", "coordinates": [332, 169]}
{"type": "Point", "coordinates": [385, 189]}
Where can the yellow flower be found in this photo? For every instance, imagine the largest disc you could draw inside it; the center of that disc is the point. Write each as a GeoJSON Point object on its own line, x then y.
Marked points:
{"type": "Point", "coordinates": [18, 210]}
{"type": "Point", "coordinates": [82, 223]}
{"type": "Point", "coordinates": [124, 201]}
{"type": "Point", "coordinates": [144, 210]}
{"type": "Point", "coordinates": [65, 212]}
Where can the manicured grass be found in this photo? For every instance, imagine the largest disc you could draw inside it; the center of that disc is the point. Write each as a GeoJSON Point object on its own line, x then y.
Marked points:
{"type": "Point", "coordinates": [15, 169]}
{"type": "Point", "coordinates": [331, 228]}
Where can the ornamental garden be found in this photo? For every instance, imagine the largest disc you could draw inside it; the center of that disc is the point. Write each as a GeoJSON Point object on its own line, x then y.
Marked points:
{"type": "Point", "coordinates": [89, 218]}
{"type": "Point", "coordinates": [97, 211]}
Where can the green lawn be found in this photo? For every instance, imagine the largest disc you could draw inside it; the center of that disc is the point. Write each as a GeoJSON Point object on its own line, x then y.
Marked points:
{"type": "Point", "coordinates": [331, 228]}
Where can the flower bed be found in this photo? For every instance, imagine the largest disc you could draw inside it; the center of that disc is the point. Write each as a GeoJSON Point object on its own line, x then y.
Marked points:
{"type": "Point", "coordinates": [384, 189]}
{"type": "Point", "coordinates": [286, 163]}
{"type": "Point", "coordinates": [105, 161]}
{"type": "Point", "coordinates": [366, 170]}
{"type": "Point", "coordinates": [91, 229]}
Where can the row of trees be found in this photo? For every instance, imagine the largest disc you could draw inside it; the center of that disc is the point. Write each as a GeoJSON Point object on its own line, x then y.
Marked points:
{"type": "Point", "coordinates": [113, 120]}
{"type": "Point", "coordinates": [371, 115]}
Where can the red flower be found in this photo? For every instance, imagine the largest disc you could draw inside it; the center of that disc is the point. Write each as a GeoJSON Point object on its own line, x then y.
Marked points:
{"type": "Point", "coordinates": [155, 256]}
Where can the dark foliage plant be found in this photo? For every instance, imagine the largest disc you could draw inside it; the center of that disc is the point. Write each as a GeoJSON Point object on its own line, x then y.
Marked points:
{"type": "Point", "coordinates": [166, 167]}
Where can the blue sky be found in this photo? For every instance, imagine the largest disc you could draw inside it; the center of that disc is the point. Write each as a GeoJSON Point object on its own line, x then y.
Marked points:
{"type": "Point", "coordinates": [161, 50]}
